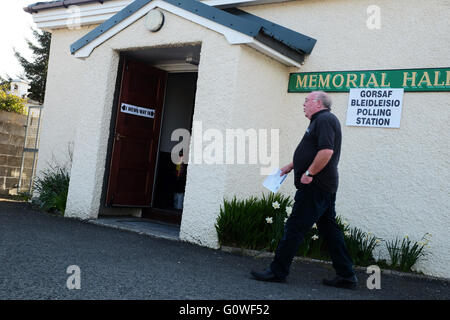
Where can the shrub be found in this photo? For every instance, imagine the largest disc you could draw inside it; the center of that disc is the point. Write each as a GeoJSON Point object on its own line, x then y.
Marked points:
{"type": "Point", "coordinates": [10, 102]}
{"type": "Point", "coordinates": [361, 246]}
{"type": "Point", "coordinates": [53, 186]}
{"type": "Point", "coordinates": [22, 196]}
{"type": "Point", "coordinates": [406, 253]}
{"type": "Point", "coordinates": [242, 223]}
{"type": "Point", "coordinates": [259, 224]}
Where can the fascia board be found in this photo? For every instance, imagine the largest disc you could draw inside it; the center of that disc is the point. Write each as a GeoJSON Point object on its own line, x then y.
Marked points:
{"type": "Point", "coordinates": [264, 49]}
{"type": "Point", "coordinates": [95, 13]}
{"type": "Point", "coordinates": [232, 36]}
{"type": "Point", "coordinates": [88, 14]}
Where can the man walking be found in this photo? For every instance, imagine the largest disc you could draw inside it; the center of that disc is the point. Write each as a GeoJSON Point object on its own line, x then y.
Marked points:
{"type": "Point", "coordinates": [316, 179]}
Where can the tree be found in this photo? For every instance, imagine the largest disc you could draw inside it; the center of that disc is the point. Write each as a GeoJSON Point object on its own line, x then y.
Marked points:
{"type": "Point", "coordinates": [36, 70]}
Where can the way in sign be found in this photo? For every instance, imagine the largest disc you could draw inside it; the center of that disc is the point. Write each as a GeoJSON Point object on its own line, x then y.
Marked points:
{"type": "Point", "coordinates": [138, 111]}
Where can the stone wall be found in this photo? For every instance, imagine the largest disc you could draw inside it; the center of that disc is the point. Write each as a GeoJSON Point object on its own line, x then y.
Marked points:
{"type": "Point", "coordinates": [12, 136]}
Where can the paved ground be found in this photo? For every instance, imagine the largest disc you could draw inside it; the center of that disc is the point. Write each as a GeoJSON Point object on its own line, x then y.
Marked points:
{"type": "Point", "coordinates": [36, 248]}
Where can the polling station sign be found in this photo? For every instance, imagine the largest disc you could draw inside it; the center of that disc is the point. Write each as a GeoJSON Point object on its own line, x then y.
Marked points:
{"type": "Point", "coordinates": [375, 107]}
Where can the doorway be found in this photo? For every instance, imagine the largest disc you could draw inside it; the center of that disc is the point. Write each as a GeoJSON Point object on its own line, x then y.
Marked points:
{"type": "Point", "coordinates": [156, 97]}
{"type": "Point", "coordinates": [170, 181]}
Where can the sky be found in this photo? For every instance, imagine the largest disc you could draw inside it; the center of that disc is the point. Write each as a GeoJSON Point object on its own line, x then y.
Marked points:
{"type": "Point", "coordinates": [15, 26]}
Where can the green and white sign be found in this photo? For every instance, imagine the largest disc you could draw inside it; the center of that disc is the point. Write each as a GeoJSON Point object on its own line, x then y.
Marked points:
{"type": "Point", "coordinates": [431, 79]}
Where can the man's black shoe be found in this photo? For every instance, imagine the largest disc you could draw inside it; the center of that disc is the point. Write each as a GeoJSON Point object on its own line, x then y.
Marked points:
{"type": "Point", "coordinates": [340, 282]}
{"type": "Point", "coordinates": [266, 275]}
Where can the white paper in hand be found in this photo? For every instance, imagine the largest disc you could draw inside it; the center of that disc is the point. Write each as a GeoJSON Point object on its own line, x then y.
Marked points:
{"type": "Point", "coordinates": [274, 181]}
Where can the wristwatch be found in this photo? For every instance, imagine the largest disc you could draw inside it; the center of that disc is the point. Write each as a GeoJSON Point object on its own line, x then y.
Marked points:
{"type": "Point", "coordinates": [307, 173]}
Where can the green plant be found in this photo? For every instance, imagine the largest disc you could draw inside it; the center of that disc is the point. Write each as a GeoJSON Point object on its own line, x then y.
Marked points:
{"type": "Point", "coordinates": [11, 103]}
{"type": "Point", "coordinates": [259, 224]}
{"type": "Point", "coordinates": [313, 245]}
{"type": "Point", "coordinates": [393, 248]}
{"type": "Point", "coordinates": [360, 245]}
{"type": "Point", "coordinates": [36, 69]}
{"type": "Point", "coordinates": [22, 196]}
{"type": "Point", "coordinates": [52, 187]}
{"type": "Point", "coordinates": [253, 223]}
{"type": "Point", "coordinates": [406, 253]}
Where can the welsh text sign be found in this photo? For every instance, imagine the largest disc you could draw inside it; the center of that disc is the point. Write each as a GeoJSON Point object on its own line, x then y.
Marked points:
{"type": "Point", "coordinates": [375, 108]}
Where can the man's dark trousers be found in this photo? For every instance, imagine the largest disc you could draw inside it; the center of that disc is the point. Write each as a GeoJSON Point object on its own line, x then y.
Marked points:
{"type": "Point", "coordinates": [312, 205]}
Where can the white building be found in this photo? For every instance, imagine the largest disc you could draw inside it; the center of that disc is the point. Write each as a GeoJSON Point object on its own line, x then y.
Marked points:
{"type": "Point", "coordinates": [19, 88]}
{"type": "Point", "coordinates": [130, 72]}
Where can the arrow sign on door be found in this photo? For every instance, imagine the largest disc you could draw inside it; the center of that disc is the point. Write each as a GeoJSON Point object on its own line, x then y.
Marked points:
{"type": "Point", "coordinates": [137, 111]}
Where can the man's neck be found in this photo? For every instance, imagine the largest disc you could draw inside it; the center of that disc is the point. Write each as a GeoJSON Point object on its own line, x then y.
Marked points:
{"type": "Point", "coordinates": [317, 112]}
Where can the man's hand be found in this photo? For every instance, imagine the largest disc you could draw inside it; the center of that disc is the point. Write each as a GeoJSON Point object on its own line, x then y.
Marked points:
{"type": "Point", "coordinates": [320, 161]}
{"type": "Point", "coordinates": [305, 179]}
{"type": "Point", "coordinates": [287, 169]}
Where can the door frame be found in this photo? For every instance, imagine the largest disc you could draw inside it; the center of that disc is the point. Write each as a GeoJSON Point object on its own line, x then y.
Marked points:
{"type": "Point", "coordinates": [112, 127]}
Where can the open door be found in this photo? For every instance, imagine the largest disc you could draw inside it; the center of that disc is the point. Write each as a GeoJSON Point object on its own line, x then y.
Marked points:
{"type": "Point", "coordinates": [136, 136]}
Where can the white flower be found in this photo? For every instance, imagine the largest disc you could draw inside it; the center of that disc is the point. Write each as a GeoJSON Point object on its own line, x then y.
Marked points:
{"type": "Point", "coordinates": [314, 226]}
{"type": "Point", "coordinates": [276, 205]}
{"type": "Point", "coordinates": [377, 241]}
{"type": "Point", "coordinates": [269, 220]}
{"type": "Point", "coordinates": [288, 211]}
{"type": "Point", "coordinates": [347, 233]}
{"type": "Point", "coordinates": [315, 237]}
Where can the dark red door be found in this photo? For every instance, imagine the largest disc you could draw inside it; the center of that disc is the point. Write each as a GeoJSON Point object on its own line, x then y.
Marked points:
{"type": "Point", "coordinates": [136, 136]}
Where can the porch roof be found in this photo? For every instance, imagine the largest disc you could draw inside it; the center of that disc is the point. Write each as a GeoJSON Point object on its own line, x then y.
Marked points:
{"type": "Point", "coordinates": [284, 41]}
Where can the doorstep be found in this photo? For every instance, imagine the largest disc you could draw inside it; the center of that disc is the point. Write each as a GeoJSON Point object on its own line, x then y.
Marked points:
{"type": "Point", "coordinates": [142, 226]}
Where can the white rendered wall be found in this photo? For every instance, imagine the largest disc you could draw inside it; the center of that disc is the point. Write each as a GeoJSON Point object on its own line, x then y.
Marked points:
{"type": "Point", "coordinates": [61, 110]}
{"type": "Point", "coordinates": [394, 182]}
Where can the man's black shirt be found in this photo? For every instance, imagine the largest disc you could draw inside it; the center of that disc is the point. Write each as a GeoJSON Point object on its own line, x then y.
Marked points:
{"type": "Point", "coordinates": [324, 132]}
